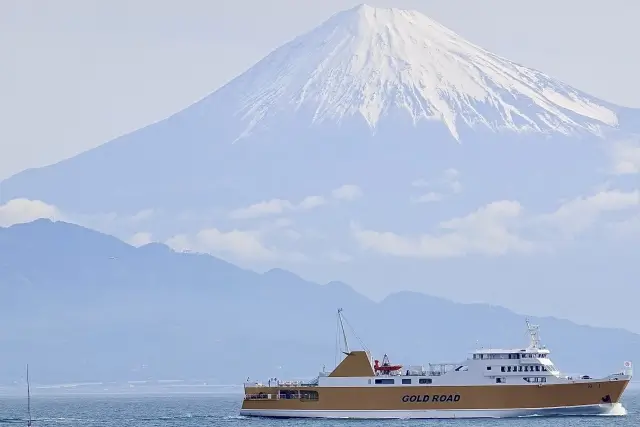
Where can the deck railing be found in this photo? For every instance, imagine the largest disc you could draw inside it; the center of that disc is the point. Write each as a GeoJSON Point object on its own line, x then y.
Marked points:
{"type": "Point", "coordinates": [312, 383]}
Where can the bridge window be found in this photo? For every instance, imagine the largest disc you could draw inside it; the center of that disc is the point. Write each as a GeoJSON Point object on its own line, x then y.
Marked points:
{"type": "Point", "coordinates": [425, 381]}
{"type": "Point", "coordinates": [488, 368]}
{"type": "Point", "coordinates": [385, 381]}
{"type": "Point", "coordinates": [406, 381]}
{"type": "Point", "coordinates": [502, 368]}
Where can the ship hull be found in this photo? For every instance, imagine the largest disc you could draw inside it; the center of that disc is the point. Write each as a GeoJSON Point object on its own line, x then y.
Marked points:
{"type": "Point", "coordinates": [586, 410]}
{"type": "Point", "coordinates": [492, 401]}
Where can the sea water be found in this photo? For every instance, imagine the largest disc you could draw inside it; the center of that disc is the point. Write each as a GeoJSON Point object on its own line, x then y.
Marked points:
{"type": "Point", "coordinates": [222, 410]}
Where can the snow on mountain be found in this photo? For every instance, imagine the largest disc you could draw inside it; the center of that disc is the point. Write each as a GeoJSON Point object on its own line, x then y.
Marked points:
{"type": "Point", "coordinates": [368, 61]}
{"type": "Point", "coordinates": [378, 97]}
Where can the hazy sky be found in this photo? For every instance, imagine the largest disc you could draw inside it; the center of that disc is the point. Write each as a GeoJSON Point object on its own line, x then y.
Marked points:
{"type": "Point", "coordinates": [76, 73]}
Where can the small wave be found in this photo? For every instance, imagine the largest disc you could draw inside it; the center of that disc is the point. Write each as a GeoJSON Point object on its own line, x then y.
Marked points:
{"type": "Point", "coordinates": [188, 416]}
{"type": "Point", "coordinates": [172, 417]}
{"type": "Point", "coordinates": [235, 417]}
{"type": "Point", "coordinates": [58, 420]}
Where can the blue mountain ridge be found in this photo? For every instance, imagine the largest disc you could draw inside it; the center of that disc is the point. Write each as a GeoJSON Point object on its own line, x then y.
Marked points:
{"type": "Point", "coordinates": [79, 305]}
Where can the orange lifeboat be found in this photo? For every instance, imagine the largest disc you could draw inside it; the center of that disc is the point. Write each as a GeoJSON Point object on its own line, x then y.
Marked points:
{"type": "Point", "coordinates": [386, 366]}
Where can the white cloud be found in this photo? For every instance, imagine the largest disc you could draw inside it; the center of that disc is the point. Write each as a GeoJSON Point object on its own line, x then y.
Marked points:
{"type": "Point", "coordinates": [347, 192]}
{"type": "Point", "coordinates": [579, 214]}
{"type": "Point", "coordinates": [420, 183]}
{"type": "Point", "coordinates": [18, 211]}
{"type": "Point", "coordinates": [625, 156]}
{"type": "Point", "coordinates": [451, 174]}
{"type": "Point", "coordinates": [276, 207]}
{"type": "Point", "coordinates": [428, 198]}
{"type": "Point", "coordinates": [271, 207]}
{"type": "Point", "coordinates": [140, 239]}
{"type": "Point", "coordinates": [281, 227]}
{"type": "Point", "coordinates": [338, 256]}
{"type": "Point", "coordinates": [448, 182]}
{"type": "Point", "coordinates": [311, 202]}
{"type": "Point", "coordinates": [142, 215]}
{"type": "Point", "coordinates": [496, 229]}
{"type": "Point", "coordinates": [279, 206]}
{"type": "Point", "coordinates": [242, 244]}
{"type": "Point", "coordinates": [239, 244]}
{"type": "Point", "coordinates": [487, 231]}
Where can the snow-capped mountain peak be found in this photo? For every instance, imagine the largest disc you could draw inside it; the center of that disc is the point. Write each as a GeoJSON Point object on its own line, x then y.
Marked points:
{"type": "Point", "coordinates": [370, 61]}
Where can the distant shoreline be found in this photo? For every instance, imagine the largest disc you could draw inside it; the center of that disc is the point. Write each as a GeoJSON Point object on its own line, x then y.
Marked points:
{"type": "Point", "coordinates": [130, 388]}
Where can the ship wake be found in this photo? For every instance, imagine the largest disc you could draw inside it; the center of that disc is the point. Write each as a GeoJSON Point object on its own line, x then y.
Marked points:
{"type": "Point", "coordinates": [616, 410]}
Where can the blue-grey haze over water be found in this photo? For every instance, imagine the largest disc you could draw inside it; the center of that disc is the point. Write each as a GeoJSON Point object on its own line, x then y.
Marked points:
{"type": "Point", "coordinates": [222, 410]}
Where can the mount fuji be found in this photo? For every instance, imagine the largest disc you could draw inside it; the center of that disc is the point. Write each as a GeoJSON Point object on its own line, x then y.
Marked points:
{"type": "Point", "coordinates": [374, 97]}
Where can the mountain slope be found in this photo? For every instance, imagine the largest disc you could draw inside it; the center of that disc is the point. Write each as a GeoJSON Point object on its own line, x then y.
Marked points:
{"type": "Point", "coordinates": [367, 90]}
{"type": "Point", "coordinates": [374, 62]}
{"type": "Point", "coordinates": [87, 307]}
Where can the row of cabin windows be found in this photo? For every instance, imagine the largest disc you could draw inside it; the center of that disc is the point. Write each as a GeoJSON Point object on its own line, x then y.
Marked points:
{"type": "Point", "coordinates": [510, 356]}
{"type": "Point", "coordinates": [286, 394]}
{"type": "Point", "coordinates": [404, 381]}
{"type": "Point", "coordinates": [536, 368]}
{"type": "Point", "coordinates": [503, 380]}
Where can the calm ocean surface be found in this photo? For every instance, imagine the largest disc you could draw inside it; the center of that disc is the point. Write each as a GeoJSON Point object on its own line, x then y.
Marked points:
{"type": "Point", "coordinates": [217, 410]}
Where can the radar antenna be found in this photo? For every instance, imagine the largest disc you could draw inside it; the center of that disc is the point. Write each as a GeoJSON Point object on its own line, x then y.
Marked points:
{"type": "Point", "coordinates": [534, 335]}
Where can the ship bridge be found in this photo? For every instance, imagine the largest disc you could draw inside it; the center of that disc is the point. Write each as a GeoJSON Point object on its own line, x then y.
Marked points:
{"type": "Point", "coordinates": [535, 350]}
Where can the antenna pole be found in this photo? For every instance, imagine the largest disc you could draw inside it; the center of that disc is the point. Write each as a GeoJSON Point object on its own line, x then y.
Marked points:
{"type": "Point", "coordinates": [28, 397]}
{"type": "Point", "coordinates": [533, 334]}
{"type": "Point", "coordinates": [344, 335]}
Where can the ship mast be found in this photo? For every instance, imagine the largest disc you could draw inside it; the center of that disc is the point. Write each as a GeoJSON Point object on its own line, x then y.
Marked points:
{"type": "Point", "coordinates": [534, 335]}
{"type": "Point", "coordinates": [344, 335]}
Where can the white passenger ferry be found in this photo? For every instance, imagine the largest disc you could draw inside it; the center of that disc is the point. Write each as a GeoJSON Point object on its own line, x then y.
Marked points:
{"type": "Point", "coordinates": [489, 383]}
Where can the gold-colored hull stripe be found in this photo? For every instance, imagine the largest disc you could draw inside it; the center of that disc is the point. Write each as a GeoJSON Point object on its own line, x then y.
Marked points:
{"type": "Point", "coordinates": [497, 397]}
